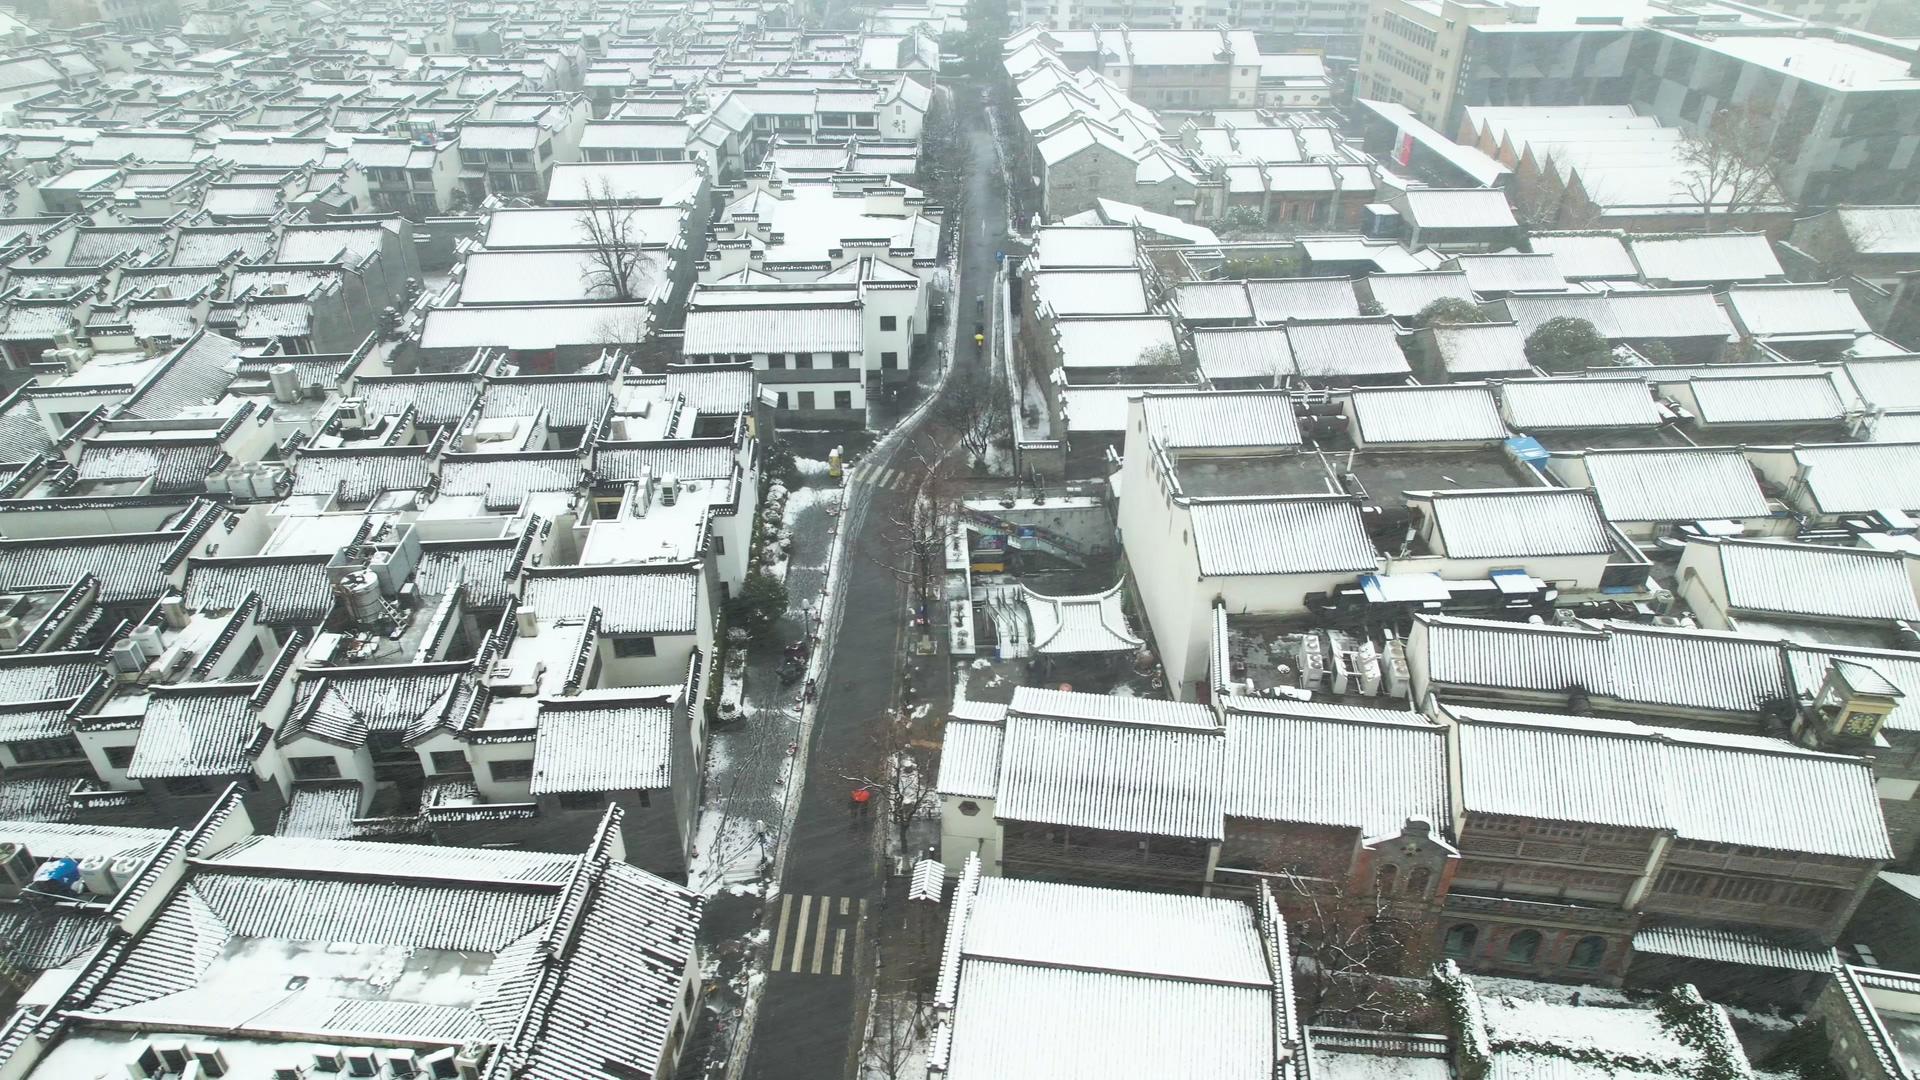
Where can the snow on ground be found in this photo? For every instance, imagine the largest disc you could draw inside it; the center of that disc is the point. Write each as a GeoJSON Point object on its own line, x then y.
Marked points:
{"type": "Point", "coordinates": [1766, 1021]}
{"type": "Point", "coordinates": [1612, 1031]}
{"type": "Point", "coordinates": [895, 1047]}
{"type": "Point", "coordinates": [999, 459]}
{"type": "Point", "coordinates": [728, 851]}
{"type": "Point", "coordinates": [811, 466]}
{"type": "Point", "coordinates": [1491, 986]}
{"type": "Point", "coordinates": [1334, 1065]}
{"type": "Point", "coordinates": [799, 500]}
{"type": "Point", "coordinates": [1034, 420]}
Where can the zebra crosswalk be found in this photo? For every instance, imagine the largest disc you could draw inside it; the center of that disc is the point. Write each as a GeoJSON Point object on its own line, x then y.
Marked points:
{"type": "Point", "coordinates": [817, 935]}
{"type": "Point", "coordinates": [891, 479]}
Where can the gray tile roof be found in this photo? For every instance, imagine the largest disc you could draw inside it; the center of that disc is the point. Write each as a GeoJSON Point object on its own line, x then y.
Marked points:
{"type": "Point", "coordinates": [1296, 535]}
{"type": "Point", "coordinates": [570, 402]}
{"type": "Point", "coordinates": [507, 479]}
{"type": "Point", "coordinates": [1303, 768]}
{"type": "Point", "coordinates": [361, 475]}
{"type": "Point", "coordinates": [631, 599]}
{"type": "Point", "coordinates": [197, 374]}
{"type": "Point", "coordinates": [1519, 523]}
{"type": "Point", "coordinates": [176, 467]}
{"type": "Point", "coordinates": [128, 566]}
{"type": "Point", "coordinates": [603, 745]}
{"type": "Point", "coordinates": [1703, 786]}
{"type": "Point", "coordinates": [486, 567]}
{"type": "Point", "coordinates": [196, 731]}
{"type": "Point", "coordinates": [617, 462]}
{"type": "Point", "coordinates": [294, 590]}
{"type": "Point", "coordinates": [1692, 484]}
{"type": "Point", "coordinates": [1553, 404]}
{"type": "Point", "coordinates": [434, 399]}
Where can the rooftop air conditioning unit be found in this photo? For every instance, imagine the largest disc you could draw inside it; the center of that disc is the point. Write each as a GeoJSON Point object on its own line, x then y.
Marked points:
{"type": "Point", "coordinates": [16, 865]}
{"type": "Point", "coordinates": [11, 631]}
{"type": "Point", "coordinates": [211, 1059]}
{"type": "Point", "coordinates": [363, 1063]}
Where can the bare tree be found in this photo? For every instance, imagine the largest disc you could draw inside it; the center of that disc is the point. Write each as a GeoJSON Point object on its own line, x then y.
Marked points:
{"type": "Point", "coordinates": [978, 412]}
{"type": "Point", "coordinates": [1353, 944]}
{"type": "Point", "coordinates": [914, 540]}
{"type": "Point", "coordinates": [1731, 163]}
{"type": "Point", "coordinates": [613, 243]}
{"type": "Point", "coordinates": [895, 1030]}
{"type": "Point", "coordinates": [897, 768]}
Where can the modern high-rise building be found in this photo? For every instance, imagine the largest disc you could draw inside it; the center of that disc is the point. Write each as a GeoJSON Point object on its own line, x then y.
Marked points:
{"type": "Point", "coordinates": [1332, 26]}
{"type": "Point", "coordinates": [1840, 107]}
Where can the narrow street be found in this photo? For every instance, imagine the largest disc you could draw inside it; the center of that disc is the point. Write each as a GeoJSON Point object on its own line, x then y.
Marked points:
{"type": "Point", "coordinates": [831, 891]}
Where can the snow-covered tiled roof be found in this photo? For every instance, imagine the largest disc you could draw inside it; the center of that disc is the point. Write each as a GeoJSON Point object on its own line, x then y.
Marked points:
{"type": "Point", "coordinates": [1053, 981]}
{"type": "Point", "coordinates": [364, 858]}
{"type": "Point", "coordinates": [1506, 523]}
{"type": "Point", "coordinates": [1340, 349]}
{"type": "Point", "coordinates": [202, 730]}
{"type": "Point", "coordinates": [47, 676]}
{"type": "Point", "coordinates": [1814, 580]}
{"type": "Point", "coordinates": [1703, 786]}
{"type": "Point", "coordinates": [294, 590]}
{"type": "Point", "coordinates": [1291, 764]}
{"type": "Point", "coordinates": [196, 374]}
{"type": "Point", "coordinates": [1219, 419]}
{"type": "Point", "coordinates": [130, 566]}
{"type": "Point", "coordinates": [570, 401]}
{"type": "Point", "coordinates": [435, 399]}
{"type": "Point", "coordinates": [1426, 414]}
{"type": "Point", "coordinates": [27, 721]}
{"type": "Point", "coordinates": [1289, 535]}
{"type": "Point", "coordinates": [602, 744]}
{"type": "Point", "coordinates": [682, 459]}
{"type": "Point", "coordinates": [486, 567]}
{"type": "Point", "coordinates": [1679, 484]}
{"type": "Point", "coordinates": [347, 705]}
{"type": "Point", "coordinates": [970, 759]}
{"type": "Point", "coordinates": [1850, 478]}
{"type": "Point", "coordinates": [505, 480]}
{"type": "Point", "coordinates": [631, 599]}
{"type": "Point", "coordinates": [1706, 258]}
{"type": "Point", "coordinates": [1554, 404]}
{"type": "Point", "coordinates": [1080, 624]}
{"type": "Point", "coordinates": [359, 476]}
{"type": "Point", "coordinates": [174, 466]}
{"type": "Point", "coordinates": [1121, 777]}
{"type": "Point", "coordinates": [1652, 667]}
{"type": "Point", "coordinates": [1723, 946]}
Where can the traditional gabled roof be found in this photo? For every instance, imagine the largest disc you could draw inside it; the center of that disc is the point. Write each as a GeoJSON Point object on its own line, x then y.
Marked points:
{"type": "Point", "coordinates": [434, 399]}
{"type": "Point", "coordinates": [360, 476]}
{"type": "Point", "coordinates": [1645, 666]}
{"type": "Point", "coordinates": [1303, 534]}
{"type": "Point", "coordinates": [293, 590]}
{"type": "Point", "coordinates": [1814, 581]}
{"type": "Point", "coordinates": [603, 743]}
{"type": "Point", "coordinates": [196, 374]}
{"type": "Point", "coordinates": [1517, 523]}
{"type": "Point", "coordinates": [130, 566]}
{"type": "Point", "coordinates": [1287, 761]}
{"type": "Point", "coordinates": [346, 705]}
{"type": "Point", "coordinates": [205, 730]}
{"type": "Point", "coordinates": [631, 599]}
{"type": "Point", "coordinates": [505, 480]}
{"type": "Point", "coordinates": [485, 568]}
{"type": "Point", "coordinates": [1104, 763]}
{"type": "Point", "coordinates": [1702, 786]}
{"type": "Point", "coordinates": [1690, 484]}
